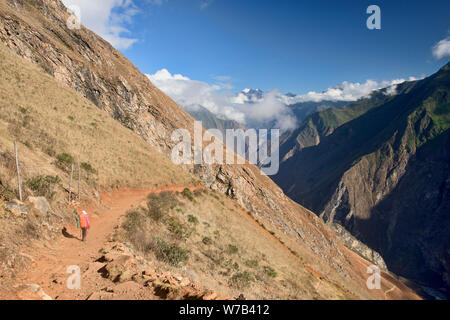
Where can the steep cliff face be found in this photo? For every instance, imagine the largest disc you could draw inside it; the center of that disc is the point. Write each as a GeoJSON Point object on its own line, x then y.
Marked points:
{"type": "Point", "coordinates": [79, 59]}
{"type": "Point", "coordinates": [37, 31]}
{"type": "Point", "coordinates": [362, 177]}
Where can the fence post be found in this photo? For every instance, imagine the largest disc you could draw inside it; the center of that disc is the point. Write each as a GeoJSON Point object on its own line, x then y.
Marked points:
{"type": "Point", "coordinates": [70, 186]}
{"type": "Point", "coordinates": [18, 171]}
{"type": "Point", "coordinates": [79, 178]}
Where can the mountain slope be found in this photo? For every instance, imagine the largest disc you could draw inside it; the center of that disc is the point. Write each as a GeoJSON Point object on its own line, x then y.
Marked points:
{"type": "Point", "coordinates": [211, 121]}
{"type": "Point", "coordinates": [324, 122]}
{"type": "Point", "coordinates": [353, 170]}
{"type": "Point", "coordinates": [302, 110]}
{"type": "Point", "coordinates": [90, 84]}
{"type": "Point", "coordinates": [49, 119]}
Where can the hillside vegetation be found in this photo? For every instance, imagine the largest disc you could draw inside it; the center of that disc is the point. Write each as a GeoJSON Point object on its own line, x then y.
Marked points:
{"type": "Point", "coordinates": [355, 177]}
{"type": "Point", "coordinates": [226, 248]}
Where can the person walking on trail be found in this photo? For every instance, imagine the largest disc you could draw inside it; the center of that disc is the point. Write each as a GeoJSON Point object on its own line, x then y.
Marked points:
{"type": "Point", "coordinates": [83, 221]}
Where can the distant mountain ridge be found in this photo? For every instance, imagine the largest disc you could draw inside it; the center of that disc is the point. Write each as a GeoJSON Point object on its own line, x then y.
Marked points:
{"type": "Point", "coordinates": [385, 176]}
{"type": "Point", "coordinates": [211, 121]}
{"type": "Point", "coordinates": [330, 115]}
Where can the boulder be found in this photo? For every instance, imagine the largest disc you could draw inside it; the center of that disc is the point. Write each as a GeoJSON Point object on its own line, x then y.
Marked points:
{"type": "Point", "coordinates": [17, 207]}
{"type": "Point", "coordinates": [40, 204]}
{"type": "Point", "coordinates": [32, 292]}
{"type": "Point", "coordinates": [121, 269]}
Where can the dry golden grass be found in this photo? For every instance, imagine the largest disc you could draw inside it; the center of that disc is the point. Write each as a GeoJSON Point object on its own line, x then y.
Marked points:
{"type": "Point", "coordinates": [48, 119]}
{"type": "Point", "coordinates": [228, 252]}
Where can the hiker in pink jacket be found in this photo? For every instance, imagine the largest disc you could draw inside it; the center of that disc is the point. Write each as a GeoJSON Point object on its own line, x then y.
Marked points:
{"type": "Point", "coordinates": [84, 224]}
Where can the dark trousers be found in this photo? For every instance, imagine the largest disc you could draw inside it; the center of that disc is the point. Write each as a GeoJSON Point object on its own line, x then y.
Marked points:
{"type": "Point", "coordinates": [83, 234]}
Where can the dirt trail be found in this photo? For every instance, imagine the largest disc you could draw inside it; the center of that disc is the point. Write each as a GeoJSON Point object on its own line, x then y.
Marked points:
{"type": "Point", "coordinates": [50, 263]}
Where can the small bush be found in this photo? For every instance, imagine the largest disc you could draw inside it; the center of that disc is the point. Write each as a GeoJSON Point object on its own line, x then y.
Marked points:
{"type": "Point", "coordinates": [170, 253]}
{"type": "Point", "coordinates": [199, 192]}
{"type": "Point", "coordinates": [6, 193]}
{"type": "Point", "coordinates": [232, 249]}
{"type": "Point", "coordinates": [241, 280]}
{"type": "Point", "coordinates": [88, 168]}
{"type": "Point", "coordinates": [177, 228]}
{"type": "Point", "coordinates": [270, 272]}
{"type": "Point", "coordinates": [43, 186]}
{"type": "Point", "coordinates": [187, 193]}
{"type": "Point", "coordinates": [252, 264]}
{"type": "Point", "coordinates": [64, 161]}
{"type": "Point", "coordinates": [133, 220]}
{"type": "Point", "coordinates": [71, 118]}
{"type": "Point", "coordinates": [193, 219]}
{"type": "Point", "coordinates": [159, 204]}
{"type": "Point", "coordinates": [207, 241]}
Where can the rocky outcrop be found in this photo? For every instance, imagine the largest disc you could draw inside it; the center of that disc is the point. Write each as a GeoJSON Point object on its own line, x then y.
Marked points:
{"type": "Point", "coordinates": [40, 204]}
{"type": "Point", "coordinates": [17, 208]}
{"type": "Point", "coordinates": [121, 265]}
{"type": "Point", "coordinates": [354, 244]}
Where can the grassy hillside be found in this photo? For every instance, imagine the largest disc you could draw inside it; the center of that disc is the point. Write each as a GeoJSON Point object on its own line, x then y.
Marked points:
{"type": "Point", "coordinates": [55, 125]}
{"type": "Point", "coordinates": [220, 245]}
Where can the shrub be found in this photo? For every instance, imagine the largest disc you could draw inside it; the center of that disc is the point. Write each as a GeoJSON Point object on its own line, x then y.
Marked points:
{"type": "Point", "coordinates": [64, 161]}
{"type": "Point", "coordinates": [241, 280]}
{"type": "Point", "coordinates": [207, 241]}
{"type": "Point", "coordinates": [270, 272]}
{"type": "Point", "coordinates": [232, 249]}
{"type": "Point", "coordinates": [71, 118]}
{"type": "Point", "coordinates": [199, 192]}
{"type": "Point", "coordinates": [170, 253]}
{"type": "Point", "coordinates": [159, 204]}
{"type": "Point", "coordinates": [252, 263]}
{"type": "Point", "coordinates": [177, 229]}
{"type": "Point", "coordinates": [88, 168]}
{"type": "Point", "coordinates": [192, 219]}
{"type": "Point", "coordinates": [187, 194]}
{"type": "Point", "coordinates": [133, 220]}
{"type": "Point", "coordinates": [6, 193]}
{"type": "Point", "coordinates": [43, 186]}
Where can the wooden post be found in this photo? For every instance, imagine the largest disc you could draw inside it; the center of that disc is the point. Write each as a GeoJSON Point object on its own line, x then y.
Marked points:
{"type": "Point", "coordinates": [18, 171]}
{"type": "Point", "coordinates": [70, 186]}
{"type": "Point", "coordinates": [79, 178]}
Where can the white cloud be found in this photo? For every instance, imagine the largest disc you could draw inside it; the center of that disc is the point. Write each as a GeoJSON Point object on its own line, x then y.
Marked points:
{"type": "Point", "coordinates": [257, 109]}
{"type": "Point", "coordinates": [347, 91]}
{"type": "Point", "coordinates": [442, 49]}
{"type": "Point", "coordinates": [218, 99]}
{"type": "Point", "coordinates": [108, 18]}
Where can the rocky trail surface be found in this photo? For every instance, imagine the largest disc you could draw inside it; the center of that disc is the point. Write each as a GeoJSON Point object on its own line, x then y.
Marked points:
{"type": "Point", "coordinates": [109, 270]}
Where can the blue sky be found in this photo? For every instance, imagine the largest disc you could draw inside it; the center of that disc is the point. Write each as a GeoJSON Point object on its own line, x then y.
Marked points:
{"type": "Point", "coordinates": [295, 46]}
{"type": "Point", "coordinates": [204, 52]}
